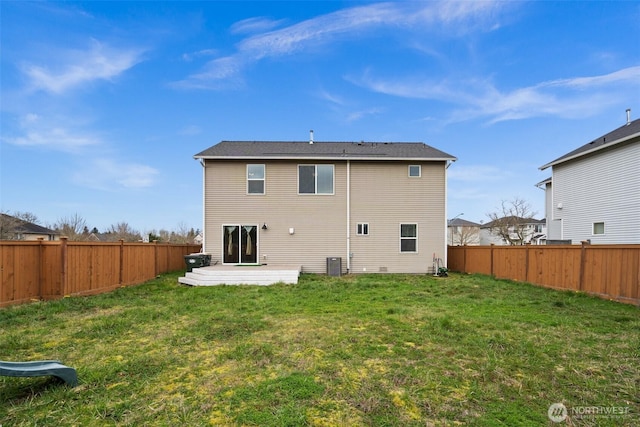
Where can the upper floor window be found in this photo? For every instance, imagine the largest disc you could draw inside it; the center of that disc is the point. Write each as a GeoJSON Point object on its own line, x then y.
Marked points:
{"type": "Point", "coordinates": [598, 228]}
{"type": "Point", "coordinates": [315, 179]}
{"type": "Point", "coordinates": [415, 171]}
{"type": "Point", "coordinates": [255, 179]}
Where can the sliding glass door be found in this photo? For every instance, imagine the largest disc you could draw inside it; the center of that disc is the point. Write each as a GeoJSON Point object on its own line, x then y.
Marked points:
{"type": "Point", "coordinates": [240, 244]}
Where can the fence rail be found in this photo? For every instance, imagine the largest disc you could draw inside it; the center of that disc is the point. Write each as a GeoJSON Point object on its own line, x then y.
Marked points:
{"type": "Point", "coordinates": [609, 271]}
{"type": "Point", "coordinates": [53, 269]}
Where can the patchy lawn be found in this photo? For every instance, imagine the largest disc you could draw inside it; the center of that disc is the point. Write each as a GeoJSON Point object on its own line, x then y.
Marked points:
{"type": "Point", "coordinates": [358, 350]}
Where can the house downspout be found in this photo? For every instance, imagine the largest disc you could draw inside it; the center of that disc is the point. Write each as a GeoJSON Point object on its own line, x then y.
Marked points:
{"type": "Point", "coordinates": [446, 213]}
{"type": "Point", "coordinates": [348, 216]}
{"type": "Point", "coordinates": [204, 192]}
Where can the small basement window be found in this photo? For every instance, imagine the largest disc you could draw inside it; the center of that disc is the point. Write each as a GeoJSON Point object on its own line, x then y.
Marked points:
{"type": "Point", "coordinates": [362, 229]}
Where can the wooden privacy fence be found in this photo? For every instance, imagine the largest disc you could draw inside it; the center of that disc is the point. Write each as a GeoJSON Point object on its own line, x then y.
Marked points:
{"type": "Point", "coordinates": [49, 270]}
{"type": "Point", "coordinates": [609, 271]}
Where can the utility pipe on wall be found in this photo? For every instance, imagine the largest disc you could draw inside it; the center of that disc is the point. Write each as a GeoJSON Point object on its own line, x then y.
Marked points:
{"type": "Point", "coordinates": [348, 216]}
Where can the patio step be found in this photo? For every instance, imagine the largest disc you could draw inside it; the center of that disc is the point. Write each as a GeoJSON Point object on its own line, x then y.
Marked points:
{"type": "Point", "coordinates": [240, 275]}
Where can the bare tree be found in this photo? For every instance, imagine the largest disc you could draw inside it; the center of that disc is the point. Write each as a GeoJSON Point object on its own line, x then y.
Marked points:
{"type": "Point", "coordinates": [182, 234]}
{"type": "Point", "coordinates": [72, 227]}
{"type": "Point", "coordinates": [511, 222]}
{"type": "Point", "coordinates": [464, 235]}
{"type": "Point", "coordinates": [26, 216]}
{"type": "Point", "coordinates": [8, 226]}
{"type": "Point", "coordinates": [123, 231]}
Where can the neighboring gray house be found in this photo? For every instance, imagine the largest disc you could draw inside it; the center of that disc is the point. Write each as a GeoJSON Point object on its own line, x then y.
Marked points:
{"type": "Point", "coordinates": [12, 228]}
{"type": "Point", "coordinates": [461, 232]}
{"type": "Point", "coordinates": [594, 191]}
{"type": "Point", "coordinates": [524, 231]}
{"type": "Point", "coordinates": [380, 207]}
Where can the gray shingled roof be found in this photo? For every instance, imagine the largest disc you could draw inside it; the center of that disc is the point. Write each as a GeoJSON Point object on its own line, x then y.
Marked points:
{"type": "Point", "coordinates": [621, 134]}
{"type": "Point", "coordinates": [21, 226]}
{"type": "Point", "coordinates": [459, 222]}
{"type": "Point", "coordinates": [323, 150]}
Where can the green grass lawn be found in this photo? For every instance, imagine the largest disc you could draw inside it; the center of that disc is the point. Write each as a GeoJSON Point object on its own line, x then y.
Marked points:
{"type": "Point", "coordinates": [396, 350]}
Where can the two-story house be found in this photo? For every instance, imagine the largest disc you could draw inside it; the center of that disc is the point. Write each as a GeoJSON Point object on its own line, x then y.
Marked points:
{"type": "Point", "coordinates": [378, 207]}
{"type": "Point", "coordinates": [594, 191]}
{"type": "Point", "coordinates": [462, 232]}
{"type": "Point", "coordinates": [513, 230]}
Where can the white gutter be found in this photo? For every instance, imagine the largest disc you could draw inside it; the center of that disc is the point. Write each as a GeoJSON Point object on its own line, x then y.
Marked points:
{"type": "Point", "coordinates": [348, 216]}
{"type": "Point", "coordinates": [332, 157]}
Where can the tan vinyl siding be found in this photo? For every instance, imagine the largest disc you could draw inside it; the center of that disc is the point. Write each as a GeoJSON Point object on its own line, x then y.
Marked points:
{"type": "Point", "coordinates": [384, 196]}
{"type": "Point", "coordinates": [319, 221]}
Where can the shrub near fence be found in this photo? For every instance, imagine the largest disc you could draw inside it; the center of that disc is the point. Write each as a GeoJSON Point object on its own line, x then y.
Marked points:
{"type": "Point", "coordinates": [49, 270]}
{"type": "Point", "coordinates": [609, 271]}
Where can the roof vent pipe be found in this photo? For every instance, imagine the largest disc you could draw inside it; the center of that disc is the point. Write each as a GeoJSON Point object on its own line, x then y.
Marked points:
{"type": "Point", "coordinates": [628, 116]}
{"type": "Point", "coordinates": [311, 136]}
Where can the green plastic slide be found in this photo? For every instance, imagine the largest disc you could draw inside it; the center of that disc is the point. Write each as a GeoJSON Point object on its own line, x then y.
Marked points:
{"type": "Point", "coordinates": [38, 369]}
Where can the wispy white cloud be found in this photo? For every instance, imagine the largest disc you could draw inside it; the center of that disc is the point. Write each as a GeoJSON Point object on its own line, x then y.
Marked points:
{"type": "Point", "coordinates": [354, 22]}
{"type": "Point", "coordinates": [112, 175]}
{"type": "Point", "coordinates": [190, 56]}
{"type": "Point", "coordinates": [98, 168]}
{"type": "Point", "coordinates": [357, 115]}
{"type": "Point", "coordinates": [50, 134]}
{"type": "Point", "coordinates": [255, 25]}
{"type": "Point", "coordinates": [72, 68]}
{"type": "Point", "coordinates": [332, 98]}
{"type": "Point", "coordinates": [475, 98]}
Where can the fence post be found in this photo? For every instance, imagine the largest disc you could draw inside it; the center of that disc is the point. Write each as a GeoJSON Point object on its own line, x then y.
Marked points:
{"type": "Point", "coordinates": [464, 259]}
{"type": "Point", "coordinates": [491, 258]}
{"type": "Point", "coordinates": [121, 273]}
{"type": "Point", "coordinates": [155, 256]}
{"type": "Point", "coordinates": [583, 251]}
{"type": "Point", "coordinates": [40, 275]}
{"type": "Point", "coordinates": [63, 272]}
{"type": "Point", "coordinates": [526, 263]}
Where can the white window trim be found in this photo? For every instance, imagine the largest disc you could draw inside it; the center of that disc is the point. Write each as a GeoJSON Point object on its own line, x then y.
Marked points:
{"type": "Point", "coordinates": [333, 183]}
{"type": "Point", "coordinates": [593, 228]}
{"type": "Point", "coordinates": [264, 179]}
{"type": "Point", "coordinates": [401, 238]}
{"type": "Point", "coordinates": [414, 176]}
{"type": "Point", "coordinates": [363, 224]}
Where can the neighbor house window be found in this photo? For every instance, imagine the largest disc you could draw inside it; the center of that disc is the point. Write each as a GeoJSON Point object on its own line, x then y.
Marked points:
{"type": "Point", "coordinates": [315, 179]}
{"type": "Point", "coordinates": [408, 237]}
{"type": "Point", "coordinates": [362, 229]}
{"type": "Point", "coordinates": [415, 171]}
{"type": "Point", "coordinates": [255, 179]}
{"type": "Point", "coordinates": [598, 228]}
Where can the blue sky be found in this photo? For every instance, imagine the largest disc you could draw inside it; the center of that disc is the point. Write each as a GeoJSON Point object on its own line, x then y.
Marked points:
{"type": "Point", "coordinates": [104, 104]}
